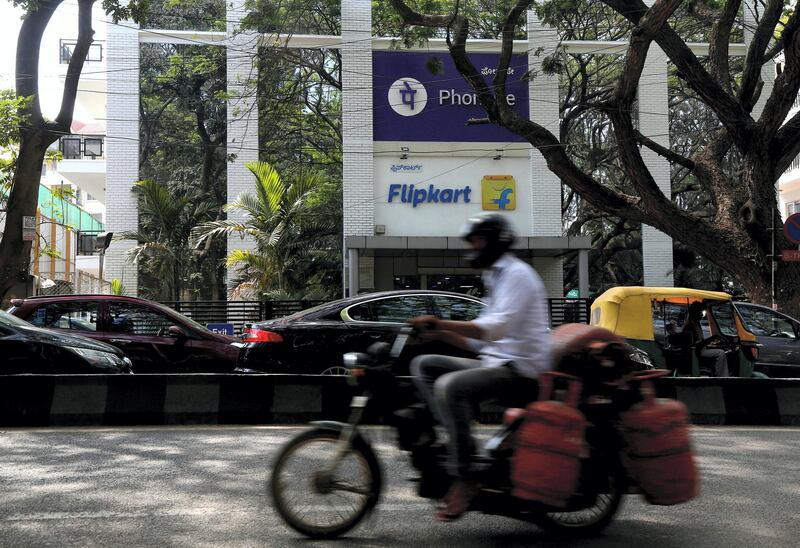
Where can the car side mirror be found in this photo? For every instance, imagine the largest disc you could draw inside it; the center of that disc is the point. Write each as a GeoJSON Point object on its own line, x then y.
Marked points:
{"type": "Point", "coordinates": [176, 332]}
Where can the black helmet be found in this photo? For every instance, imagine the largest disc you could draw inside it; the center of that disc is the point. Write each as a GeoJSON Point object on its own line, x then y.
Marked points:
{"type": "Point", "coordinates": [499, 237]}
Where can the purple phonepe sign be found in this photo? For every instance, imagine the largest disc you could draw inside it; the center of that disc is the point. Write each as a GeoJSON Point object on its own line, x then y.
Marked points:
{"type": "Point", "coordinates": [412, 104]}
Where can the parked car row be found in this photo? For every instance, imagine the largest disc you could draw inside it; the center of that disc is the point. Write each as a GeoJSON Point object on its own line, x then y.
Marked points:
{"type": "Point", "coordinates": [118, 334]}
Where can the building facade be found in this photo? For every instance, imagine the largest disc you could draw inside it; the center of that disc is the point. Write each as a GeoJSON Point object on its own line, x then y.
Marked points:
{"type": "Point", "coordinates": [413, 172]}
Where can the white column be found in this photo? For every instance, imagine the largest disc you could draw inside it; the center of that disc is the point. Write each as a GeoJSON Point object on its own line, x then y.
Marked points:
{"type": "Point", "coordinates": [122, 149]}
{"type": "Point", "coordinates": [752, 13]}
{"type": "Point", "coordinates": [543, 101]}
{"type": "Point", "coordinates": [654, 123]}
{"type": "Point", "coordinates": [357, 161]}
{"type": "Point", "coordinates": [242, 115]}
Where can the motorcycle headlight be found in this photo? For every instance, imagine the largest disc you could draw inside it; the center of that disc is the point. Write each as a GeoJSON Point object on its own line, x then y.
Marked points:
{"type": "Point", "coordinates": [640, 356]}
{"type": "Point", "coordinates": [99, 358]}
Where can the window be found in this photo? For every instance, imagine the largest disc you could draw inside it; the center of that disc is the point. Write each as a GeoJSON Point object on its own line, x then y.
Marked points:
{"type": "Point", "coordinates": [71, 148]}
{"type": "Point", "coordinates": [389, 310]}
{"type": "Point", "coordinates": [454, 308]}
{"type": "Point", "coordinates": [766, 323]}
{"type": "Point", "coordinates": [93, 146]}
{"type": "Point", "coordinates": [135, 319]}
{"type": "Point", "coordinates": [75, 315]}
{"type": "Point", "coordinates": [792, 208]}
{"type": "Point", "coordinates": [67, 48]}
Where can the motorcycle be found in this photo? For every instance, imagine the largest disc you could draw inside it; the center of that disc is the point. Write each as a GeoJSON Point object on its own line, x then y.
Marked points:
{"type": "Point", "coordinates": [328, 478]}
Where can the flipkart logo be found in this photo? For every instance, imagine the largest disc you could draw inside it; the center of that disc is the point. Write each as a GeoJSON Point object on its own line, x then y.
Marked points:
{"type": "Point", "coordinates": [499, 192]}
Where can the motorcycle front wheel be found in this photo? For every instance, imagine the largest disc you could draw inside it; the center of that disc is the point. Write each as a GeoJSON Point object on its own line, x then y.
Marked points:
{"type": "Point", "coordinates": [315, 503]}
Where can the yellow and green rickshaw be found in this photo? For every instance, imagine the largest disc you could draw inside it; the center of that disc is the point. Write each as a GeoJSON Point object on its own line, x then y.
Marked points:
{"type": "Point", "coordinates": [651, 318]}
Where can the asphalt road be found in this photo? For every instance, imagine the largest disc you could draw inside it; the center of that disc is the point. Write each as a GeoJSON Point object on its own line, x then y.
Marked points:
{"type": "Point", "coordinates": [204, 486]}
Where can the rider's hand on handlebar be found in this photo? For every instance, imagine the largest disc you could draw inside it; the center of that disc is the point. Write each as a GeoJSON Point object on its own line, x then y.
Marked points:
{"type": "Point", "coordinates": [426, 327]}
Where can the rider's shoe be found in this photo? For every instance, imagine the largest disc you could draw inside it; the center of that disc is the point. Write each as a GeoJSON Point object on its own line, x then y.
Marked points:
{"type": "Point", "coordinates": [457, 500]}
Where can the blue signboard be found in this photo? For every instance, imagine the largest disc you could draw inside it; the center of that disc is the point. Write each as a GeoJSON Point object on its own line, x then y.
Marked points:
{"type": "Point", "coordinates": [221, 328]}
{"type": "Point", "coordinates": [412, 104]}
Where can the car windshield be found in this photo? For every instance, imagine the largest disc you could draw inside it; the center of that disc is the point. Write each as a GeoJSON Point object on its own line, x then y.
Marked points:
{"type": "Point", "coordinates": [9, 320]}
{"type": "Point", "coordinates": [185, 318]}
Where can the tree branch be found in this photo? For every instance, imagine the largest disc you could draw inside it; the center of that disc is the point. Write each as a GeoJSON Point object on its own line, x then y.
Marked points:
{"type": "Point", "coordinates": [787, 82]}
{"type": "Point", "coordinates": [664, 152]}
{"type": "Point", "coordinates": [755, 53]}
{"type": "Point", "coordinates": [85, 37]}
{"type": "Point", "coordinates": [27, 61]}
{"type": "Point", "coordinates": [731, 113]}
{"type": "Point", "coordinates": [719, 44]}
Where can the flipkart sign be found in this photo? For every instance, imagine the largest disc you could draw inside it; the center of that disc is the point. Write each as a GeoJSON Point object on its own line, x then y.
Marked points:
{"type": "Point", "coordinates": [498, 192]}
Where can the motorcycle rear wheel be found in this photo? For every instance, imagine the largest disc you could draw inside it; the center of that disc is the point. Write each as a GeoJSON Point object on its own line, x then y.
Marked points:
{"type": "Point", "coordinates": [593, 519]}
{"type": "Point", "coordinates": [315, 507]}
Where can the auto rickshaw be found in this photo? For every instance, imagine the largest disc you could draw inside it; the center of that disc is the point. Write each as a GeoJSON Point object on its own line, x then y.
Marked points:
{"type": "Point", "coordinates": [652, 318]}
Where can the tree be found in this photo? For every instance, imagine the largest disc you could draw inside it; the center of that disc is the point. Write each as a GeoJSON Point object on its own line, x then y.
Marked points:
{"type": "Point", "coordinates": [736, 167]}
{"type": "Point", "coordinates": [164, 249]}
{"type": "Point", "coordinates": [35, 132]}
{"type": "Point", "coordinates": [279, 220]}
{"type": "Point", "coordinates": [183, 144]}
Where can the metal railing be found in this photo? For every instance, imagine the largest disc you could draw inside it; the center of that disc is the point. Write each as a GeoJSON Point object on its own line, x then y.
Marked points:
{"type": "Point", "coordinates": [238, 313]}
{"type": "Point", "coordinates": [568, 311]}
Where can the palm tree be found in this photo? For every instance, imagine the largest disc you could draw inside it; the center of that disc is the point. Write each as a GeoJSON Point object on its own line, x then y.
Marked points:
{"type": "Point", "coordinates": [164, 251]}
{"type": "Point", "coordinates": [278, 218]}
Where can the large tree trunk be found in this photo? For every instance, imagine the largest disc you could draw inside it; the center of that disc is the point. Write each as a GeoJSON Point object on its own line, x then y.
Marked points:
{"type": "Point", "coordinates": [23, 202]}
{"type": "Point", "coordinates": [36, 133]}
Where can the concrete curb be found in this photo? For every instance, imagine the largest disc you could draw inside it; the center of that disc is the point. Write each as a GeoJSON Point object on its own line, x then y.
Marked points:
{"type": "Point", "coordinates": [70, 400]}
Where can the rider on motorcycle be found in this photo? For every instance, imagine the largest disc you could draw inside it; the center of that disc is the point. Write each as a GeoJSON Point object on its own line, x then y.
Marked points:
{"type": "Point", "coordinates": [510, 336]}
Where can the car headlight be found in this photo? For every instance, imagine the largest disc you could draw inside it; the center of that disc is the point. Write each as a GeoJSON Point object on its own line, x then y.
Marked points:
{"type": "Point", "coordinates": [640, 356]}
{"type": "Point", "coordinates": [98, 358]}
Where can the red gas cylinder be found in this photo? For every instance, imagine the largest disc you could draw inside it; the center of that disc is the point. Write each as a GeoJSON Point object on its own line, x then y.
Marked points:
{"type": "Point", "coordinates": [549, 445]}
{"type": "Point", "coordinates": [659, 447]}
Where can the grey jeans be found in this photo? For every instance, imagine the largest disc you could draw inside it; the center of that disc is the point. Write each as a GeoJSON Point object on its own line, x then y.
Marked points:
{"type": "Point", "coordinates": [453, 387]}
{"type": "Point", "coordinates": [720, 360]}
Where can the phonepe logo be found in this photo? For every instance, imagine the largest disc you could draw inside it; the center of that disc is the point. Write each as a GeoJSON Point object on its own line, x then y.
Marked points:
{"type": "Point", "coordinates": [498, 192]}
{"type": "Point", "coordinates": [407, 97]}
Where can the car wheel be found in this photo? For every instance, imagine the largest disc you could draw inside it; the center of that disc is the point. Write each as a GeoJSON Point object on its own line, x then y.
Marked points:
{"type": "Point", "coordinates": [337, 370]}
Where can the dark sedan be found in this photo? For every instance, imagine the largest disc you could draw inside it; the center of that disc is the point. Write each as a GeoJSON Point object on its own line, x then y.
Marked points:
{"type": "Point", "coordinates": [779, 335]}
{"type": "Point", "coordinates": [156, 338]}
{"type": "Point", "coordinates": [314, 340]}
{"type": "Point", "coordinates": [26, 349]}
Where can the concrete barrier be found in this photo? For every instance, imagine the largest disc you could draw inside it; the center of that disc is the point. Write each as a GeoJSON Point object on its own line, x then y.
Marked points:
{"type": "Point", "coordinates": [69, 400]}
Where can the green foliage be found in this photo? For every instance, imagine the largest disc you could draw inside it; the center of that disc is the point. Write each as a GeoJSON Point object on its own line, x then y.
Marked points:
{"type": "Point", "coordinates": [10, 108]}
{"type": "Point", "coordinates": [277, 215]}
{"type": "Point", "coordinates": [186, 14]}
{"type": "Point", "coordinates": [183, 147]}
{"type": "Point", "coordinates": [486, 19]}
{"type": "Point", "coordinates": [117, 288]}
{"type": "Point", "coordinates": [164, 251]}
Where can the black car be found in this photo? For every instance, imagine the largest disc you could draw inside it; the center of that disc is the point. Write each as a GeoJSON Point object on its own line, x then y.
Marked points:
{"type": "Point", "coordinates": [314, 340]}
{"type": "Point", "coordinates": [779, 335]}
{"type": "Point", "coordinates": [28, 349]}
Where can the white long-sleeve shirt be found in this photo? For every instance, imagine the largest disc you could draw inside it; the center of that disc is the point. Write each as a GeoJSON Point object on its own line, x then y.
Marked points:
{"type": "Point", "coordinates": [514, 322]}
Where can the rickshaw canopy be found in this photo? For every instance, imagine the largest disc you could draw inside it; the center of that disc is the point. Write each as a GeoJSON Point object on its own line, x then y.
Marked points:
{"type": "Point", "coordinates": [627, 310]}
